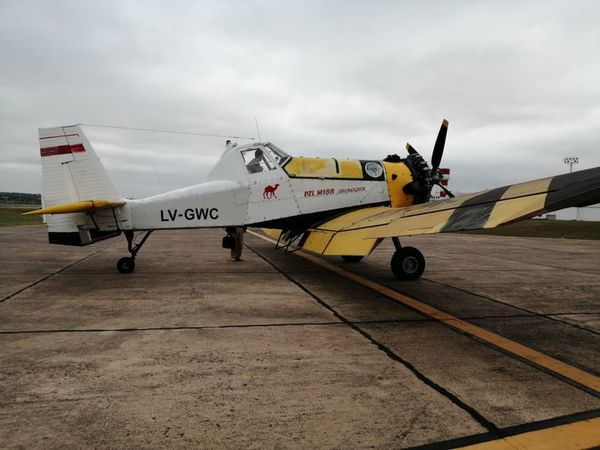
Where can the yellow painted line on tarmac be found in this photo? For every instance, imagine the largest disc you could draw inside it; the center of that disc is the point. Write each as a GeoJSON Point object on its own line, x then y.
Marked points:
{"type": "Point", "coordinates": [565, 370]}
{"type": "Point", "coordinates": [578, 435]}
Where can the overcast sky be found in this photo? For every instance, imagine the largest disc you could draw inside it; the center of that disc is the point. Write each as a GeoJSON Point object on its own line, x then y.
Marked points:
{"type": "Point", "coordinates": [518, 81]}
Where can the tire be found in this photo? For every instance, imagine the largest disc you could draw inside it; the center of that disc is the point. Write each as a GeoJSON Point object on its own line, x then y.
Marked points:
{"type": "Point", "coordinates": [408, 263]}
{"type": "Point", "coordinates": [351, 258]}
{"type": "Point", "coordinates": [126, 265]}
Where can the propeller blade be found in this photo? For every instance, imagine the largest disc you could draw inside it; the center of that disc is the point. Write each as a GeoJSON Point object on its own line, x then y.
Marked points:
{"type": "Point", "coordinates": [438, 148]}
{"type": "Point", "coordinates": [411, 150]}
{"type": "Point", "coordinates": [450, 194]}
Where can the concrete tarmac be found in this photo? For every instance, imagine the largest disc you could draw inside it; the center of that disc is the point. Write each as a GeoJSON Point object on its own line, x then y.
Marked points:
{"type": "Point", "coordinates": [195, 350]}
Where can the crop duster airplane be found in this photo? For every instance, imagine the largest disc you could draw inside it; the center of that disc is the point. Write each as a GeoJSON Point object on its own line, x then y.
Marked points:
{"type": "Point", "coordinates": [327, 206]}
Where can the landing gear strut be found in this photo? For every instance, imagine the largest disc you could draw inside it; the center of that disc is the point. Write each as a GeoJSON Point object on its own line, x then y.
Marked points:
{"type": "Point", "coordinates": [127, 263]}
{"type": "Point", "coordinates": [407, 263]}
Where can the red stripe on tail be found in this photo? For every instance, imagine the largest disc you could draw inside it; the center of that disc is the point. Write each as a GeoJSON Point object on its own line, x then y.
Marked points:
{"type": "Point", "coordinates": [62, 150]}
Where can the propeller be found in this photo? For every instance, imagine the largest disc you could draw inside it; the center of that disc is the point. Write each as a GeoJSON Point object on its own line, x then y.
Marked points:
{"type": "Point", "coordinates": [448, 193]}
{"type": "Point", "coordinates": [424, 177]}
{"type": "Point", "coordinates": [438, 147]}
{"type": "Point", "coordinates": [411, 150]}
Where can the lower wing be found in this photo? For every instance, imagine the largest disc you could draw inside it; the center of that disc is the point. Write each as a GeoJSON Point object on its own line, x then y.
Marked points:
{"type": "Point", "coordinates": [358, 232]}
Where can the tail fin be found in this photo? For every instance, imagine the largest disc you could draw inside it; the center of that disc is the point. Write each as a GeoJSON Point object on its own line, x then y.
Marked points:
{"type": "Point", "coordinates": [73, 173]}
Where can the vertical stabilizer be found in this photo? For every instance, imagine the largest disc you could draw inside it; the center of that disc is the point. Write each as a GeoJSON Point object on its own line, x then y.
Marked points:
{"type": "Point", "coordinates": [71, 173]}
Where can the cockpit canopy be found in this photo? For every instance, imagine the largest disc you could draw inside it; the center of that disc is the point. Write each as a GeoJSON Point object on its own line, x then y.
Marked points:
{"type": "Point", "coordinates": [264, 157]}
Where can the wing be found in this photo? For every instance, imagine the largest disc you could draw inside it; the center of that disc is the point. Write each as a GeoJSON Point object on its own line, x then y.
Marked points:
{"type": "Point", "coordinates": [359, 232]}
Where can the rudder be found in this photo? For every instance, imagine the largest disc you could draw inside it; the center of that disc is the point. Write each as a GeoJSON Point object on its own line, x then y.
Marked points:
{"type": "Point", "coordinates": [71, 172]}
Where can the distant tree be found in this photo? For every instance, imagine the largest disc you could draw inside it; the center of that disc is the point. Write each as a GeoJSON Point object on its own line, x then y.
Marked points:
{"type": "Point", "coordinates": [20, 197]}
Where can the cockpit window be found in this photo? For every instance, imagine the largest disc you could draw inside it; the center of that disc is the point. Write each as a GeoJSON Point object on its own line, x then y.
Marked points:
{"type": "Point", "coordinates": [256, 160]}
{"type": "Point", "coordinates": [276, 154]}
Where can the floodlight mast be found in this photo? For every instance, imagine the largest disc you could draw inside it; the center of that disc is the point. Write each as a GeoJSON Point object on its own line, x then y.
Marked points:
{"type": "Point", "coordinates": [570, 160]}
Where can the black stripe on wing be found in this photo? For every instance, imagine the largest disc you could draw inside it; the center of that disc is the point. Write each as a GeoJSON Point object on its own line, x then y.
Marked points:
{"type": "Point", "coordinates": [580, 188]}
{"type": "Point", "coordinates": [474, 212]}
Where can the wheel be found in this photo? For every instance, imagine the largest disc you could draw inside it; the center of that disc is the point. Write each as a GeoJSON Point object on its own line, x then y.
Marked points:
{"type": "Point", "coordinates": [408, 263]}
{"type": "Point", "coordinates": [126, 265]}
{"type": "Point", "coordinates": [351, 258]}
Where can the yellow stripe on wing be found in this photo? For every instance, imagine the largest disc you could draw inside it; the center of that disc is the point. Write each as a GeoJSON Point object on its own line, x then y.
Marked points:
{"type": "Point", "coordinates": [522, 202]}
{"type": "Point", "coordinates": [325, 238]}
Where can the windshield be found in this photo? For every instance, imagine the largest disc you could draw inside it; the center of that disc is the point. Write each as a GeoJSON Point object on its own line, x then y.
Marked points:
{"type": "Point", "coordinates": [256, 160]}
{"type": "Point", "coordinates": [276, 154]}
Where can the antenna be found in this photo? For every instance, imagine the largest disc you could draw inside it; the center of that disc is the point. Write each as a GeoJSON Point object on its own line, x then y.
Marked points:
{"type": "Point", "coordinates": [154, 130]}
{"type": "Point", "coordinates": [257, 129]}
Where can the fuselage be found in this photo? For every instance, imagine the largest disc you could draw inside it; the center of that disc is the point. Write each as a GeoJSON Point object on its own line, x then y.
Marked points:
{"type": "Point", "coordinates": [270, 189]}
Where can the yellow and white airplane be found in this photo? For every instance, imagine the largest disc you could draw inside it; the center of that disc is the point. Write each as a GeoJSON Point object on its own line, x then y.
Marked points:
{"type": "Point", "coordinates": [328, 206]}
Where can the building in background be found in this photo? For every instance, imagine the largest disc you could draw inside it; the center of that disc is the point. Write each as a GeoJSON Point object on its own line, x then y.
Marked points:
{"type": "Point", "coordinates": [590, 213]}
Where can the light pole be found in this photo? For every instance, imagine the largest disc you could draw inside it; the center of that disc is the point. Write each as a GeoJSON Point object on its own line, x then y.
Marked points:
{"type": "Point", "coordinates": [570, 160]}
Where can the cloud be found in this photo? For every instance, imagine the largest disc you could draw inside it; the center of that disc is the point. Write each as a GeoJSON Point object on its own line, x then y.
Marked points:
{"type": "Point", "coordinates": [517, 80]}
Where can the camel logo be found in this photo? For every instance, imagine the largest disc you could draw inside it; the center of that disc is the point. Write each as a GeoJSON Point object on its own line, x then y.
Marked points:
{"type": "Point", "coordinates": [269, 191]}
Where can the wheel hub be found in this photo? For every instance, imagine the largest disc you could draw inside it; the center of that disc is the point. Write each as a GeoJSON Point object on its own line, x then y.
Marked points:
{"type": "Point", "coordinates": [410, 264]}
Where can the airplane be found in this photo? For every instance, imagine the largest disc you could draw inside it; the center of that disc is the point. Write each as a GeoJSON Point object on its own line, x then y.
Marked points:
{"type": "Point", "coordinates": [328, 206]}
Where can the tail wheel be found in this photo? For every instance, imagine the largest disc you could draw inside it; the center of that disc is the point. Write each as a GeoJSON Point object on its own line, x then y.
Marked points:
{"type": "Point", "coordinates": [351, 258]}
{"type": "Point", "coordinates": [408, 263]}
{"type": "Point", "coordinates": [126, 265]}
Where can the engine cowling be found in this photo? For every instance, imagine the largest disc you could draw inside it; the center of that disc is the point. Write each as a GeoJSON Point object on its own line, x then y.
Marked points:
{"type": "Point", "coordinates": [398, 175]}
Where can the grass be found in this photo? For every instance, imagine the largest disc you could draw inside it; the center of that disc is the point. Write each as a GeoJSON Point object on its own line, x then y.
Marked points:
{"type": "Point", "coordinates": [11, 215]}
{"type": "Point", "coordinates": [568, 229]}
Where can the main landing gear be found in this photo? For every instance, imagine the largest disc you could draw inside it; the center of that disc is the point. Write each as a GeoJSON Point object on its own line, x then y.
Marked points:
{"type": "Point", "coordinates": [407, 263]}
{"type": "Point", "coordinates": [127, 263]}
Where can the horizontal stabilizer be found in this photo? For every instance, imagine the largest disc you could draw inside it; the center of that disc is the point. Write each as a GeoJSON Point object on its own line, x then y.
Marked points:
{"type": "Point", "coordinates": [76, 207]}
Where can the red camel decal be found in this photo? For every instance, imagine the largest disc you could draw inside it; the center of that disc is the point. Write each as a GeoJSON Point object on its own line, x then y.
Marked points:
{"type": "Point", "coordinates": [269, 191]}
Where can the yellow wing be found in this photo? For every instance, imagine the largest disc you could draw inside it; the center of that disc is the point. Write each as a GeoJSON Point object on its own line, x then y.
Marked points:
{"type": "Point", "coordinates": [358, 232]}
